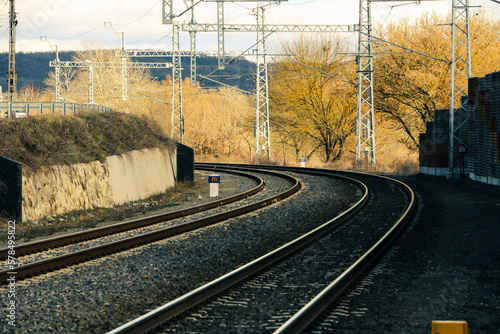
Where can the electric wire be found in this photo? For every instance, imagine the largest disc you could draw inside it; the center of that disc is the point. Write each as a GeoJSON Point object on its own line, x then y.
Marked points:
{"type": "Point", "coordinates": [79, 35]}
{"type": "Point", "coordinates": [300, 3]}
{"type": "Point", "coordinates": [134, 21]}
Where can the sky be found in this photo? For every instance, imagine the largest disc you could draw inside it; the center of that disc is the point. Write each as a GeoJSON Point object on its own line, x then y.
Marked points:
{"type": "Point", "coordinates": [70, 24]}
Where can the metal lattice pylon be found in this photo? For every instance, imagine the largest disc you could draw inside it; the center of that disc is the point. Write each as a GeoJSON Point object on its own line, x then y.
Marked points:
{"type": "Point", "coordinates": [168, 11]}
{"type": "Point", "coordinates": [12, 74]}
{"type": "Point", "coordinates": [263, 140]}
{"type": "Point", "coordinates": [365, 128]}
{"type": "Point", "coordinates": [460, 74]}
{"type": "Point", "coordinates": [177, 119]}
{"type": "Point", "coordinates": [192, 48]}
{"type": "Point", "coordinates": [220, 35]}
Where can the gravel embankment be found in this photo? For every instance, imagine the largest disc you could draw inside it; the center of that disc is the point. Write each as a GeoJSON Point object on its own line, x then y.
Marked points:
{"type": "Point", "coordinates": [98, 296]}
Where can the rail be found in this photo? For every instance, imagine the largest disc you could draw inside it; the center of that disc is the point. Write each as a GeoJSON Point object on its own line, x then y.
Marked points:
{"type": "Point", "coordinates": [55, 263]}
{"type": "Point", "coordinates": [315, 308]}
{"type": "Point", "coordinates": [67, 239]}
{"type": "Point", "coordinates": [179, 305]}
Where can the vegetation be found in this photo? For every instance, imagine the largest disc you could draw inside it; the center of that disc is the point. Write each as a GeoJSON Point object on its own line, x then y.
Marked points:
{"type": "Point", "coordinates": [312, 110]}
{"type": "Point", "coordinates": [408, 86]}
{"type": "Point", "coordinates": [51, 140]}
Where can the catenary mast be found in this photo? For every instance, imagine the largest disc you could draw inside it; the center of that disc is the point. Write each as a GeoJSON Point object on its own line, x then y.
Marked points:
{"type": "Point", "coordinates": [12, 75]}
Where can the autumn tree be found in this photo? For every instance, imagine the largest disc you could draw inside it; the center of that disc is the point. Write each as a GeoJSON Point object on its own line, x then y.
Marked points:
{"type": "Point", "coordinates": [215, 121]}
{"type": "Point", "coordinates": [410, 86]}
{"type": "Point", "coordinates": [313, 101]}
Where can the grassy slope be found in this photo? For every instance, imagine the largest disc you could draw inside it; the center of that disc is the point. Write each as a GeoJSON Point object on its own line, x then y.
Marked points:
{"type": "Point", "coordinates": [55, 140]}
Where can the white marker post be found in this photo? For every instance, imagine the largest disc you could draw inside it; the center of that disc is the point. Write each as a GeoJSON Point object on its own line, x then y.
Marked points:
{"type": "Point", "coordinates": [214, 181]}
{"type": "Point", "coordinates": [302, 162]}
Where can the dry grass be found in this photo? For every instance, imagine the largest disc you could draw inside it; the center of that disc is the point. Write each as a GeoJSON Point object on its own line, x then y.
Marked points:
{"type": "Point", "coordinates": [54, 140]}
{"type": "Point", "coordinates": [399, 162]}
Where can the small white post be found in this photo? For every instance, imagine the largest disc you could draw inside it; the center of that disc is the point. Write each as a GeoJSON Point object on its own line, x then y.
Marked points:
{"type": "Point", "coordinates": [302, 162]}
{"type": "Point", "coordinates": [214, 181]}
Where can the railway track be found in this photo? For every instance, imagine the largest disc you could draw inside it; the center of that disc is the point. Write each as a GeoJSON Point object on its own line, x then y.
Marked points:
{"type": "Point", "coordinates": [61, 261]}
{"type": "Point", "coordinates": [286, 289]}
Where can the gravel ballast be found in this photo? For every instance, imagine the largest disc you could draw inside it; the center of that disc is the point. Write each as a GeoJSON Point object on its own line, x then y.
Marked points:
{"type": "Point", "coordinates": [445, 267]}
{"type": "Point", "coordinates": [98, 296]}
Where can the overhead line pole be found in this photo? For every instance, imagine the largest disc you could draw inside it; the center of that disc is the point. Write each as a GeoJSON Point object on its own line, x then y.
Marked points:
{"type": "Point", "coordinates": [12, 74]}
{"type": "Point", "coordinates": [365, 116]}
{"type": "Point", "coordinates": [262, 133]}
{"type": "Point", "coordinates": [177, 118]}
{"type": "Point", "coordinates": [220, 35]}
{"type": "Point", "coordinates": [460, 69]}
{"type": "Point", "coordinates": [57, 69]}
{"type": "Point", "coordinates": [121, 36]}
{"type": "Point", "coordinates": [192, 48]}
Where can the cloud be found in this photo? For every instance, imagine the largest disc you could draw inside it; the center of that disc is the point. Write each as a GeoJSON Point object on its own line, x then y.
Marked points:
{"type": "Point", "coordinates": [68, 22]}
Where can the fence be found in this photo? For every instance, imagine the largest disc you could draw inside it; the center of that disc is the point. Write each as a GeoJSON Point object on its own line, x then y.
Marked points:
{"type": "Point", "coordinates": [25, 109]}
{"type": "Point", "coordinates": [481, 136]}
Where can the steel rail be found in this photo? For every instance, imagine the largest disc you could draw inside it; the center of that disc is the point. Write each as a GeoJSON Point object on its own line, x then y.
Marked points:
{"type": "Point", "coordinates": [181, 304]}
{"type": "Point", "coordinates": [58, 262]}
{"type": "Point", "coordinates": [311, 311]}
{"type": "Point", "coordinates": [67, 239]}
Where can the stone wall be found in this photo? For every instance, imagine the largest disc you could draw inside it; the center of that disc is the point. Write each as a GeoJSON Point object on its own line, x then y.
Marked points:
{"type": "Point", "coordinates": [135, 175]}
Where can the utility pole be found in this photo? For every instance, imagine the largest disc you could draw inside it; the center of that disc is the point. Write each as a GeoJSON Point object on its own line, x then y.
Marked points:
{"type": "Point", "coordinates": [365, 128]}
{"type": "Point", "coordinates": [460, 69]}
{"type": "Point", "coordinates": [12, 74]}
{"type": "Point", "coordinates": [262, 133]}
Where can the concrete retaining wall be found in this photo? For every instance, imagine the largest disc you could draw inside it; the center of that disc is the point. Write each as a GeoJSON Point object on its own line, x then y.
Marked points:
{"type": "Point", "coordinates": [129, 177]}
{"type": "Point", "coordinates": [141, 174]}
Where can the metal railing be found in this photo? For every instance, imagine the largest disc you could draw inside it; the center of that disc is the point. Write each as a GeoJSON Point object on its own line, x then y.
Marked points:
{"type": "Point", "coordinates": [26, 109]}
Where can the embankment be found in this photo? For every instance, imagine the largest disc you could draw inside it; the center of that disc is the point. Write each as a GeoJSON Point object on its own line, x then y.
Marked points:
{"type": "Point", "coordinates": [83, 162]}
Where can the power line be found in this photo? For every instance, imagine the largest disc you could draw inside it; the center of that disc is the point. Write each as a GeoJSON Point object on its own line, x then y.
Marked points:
{"type": "Point", "coordinates": [101, 25]}
{"type": "Point", "coordinates": [149, 11]}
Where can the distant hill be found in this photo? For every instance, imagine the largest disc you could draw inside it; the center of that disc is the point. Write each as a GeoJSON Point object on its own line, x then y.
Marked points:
{"type": "Point", "coordinates": [33, 67]}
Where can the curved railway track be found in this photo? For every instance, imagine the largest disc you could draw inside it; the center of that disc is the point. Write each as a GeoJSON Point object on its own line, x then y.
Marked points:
{"type": "Point", "coordinates": [68, 239]}
{"type": "Point", "coordinates": [209, 302]}
{"type": "Point", "coordinates": [54, 263]}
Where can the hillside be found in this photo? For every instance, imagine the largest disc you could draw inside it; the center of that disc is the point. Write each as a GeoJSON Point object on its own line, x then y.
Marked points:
{"type": "Point", "coordinates": [33, 68]}
{"type": "Point", "coordinates": [54, 140]}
